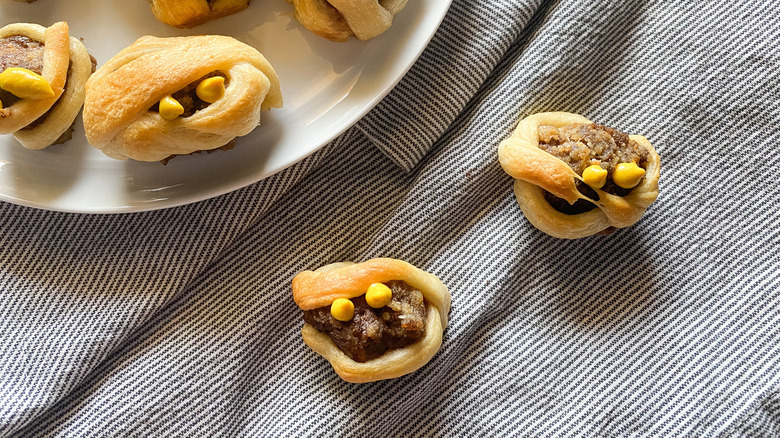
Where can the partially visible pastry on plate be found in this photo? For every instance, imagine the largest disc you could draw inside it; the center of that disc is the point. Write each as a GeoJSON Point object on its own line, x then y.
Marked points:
{"type": "Point", "coordinates": [43, 71]}
{"type": "Point", "coordinates": [338, 20]}
{"type": "Point", "coordinates": [162, 97]}
{"type": "Point", "coordinates": [375, 320]}
{"type": "Point", "coordinates": [189, 13]}
{"type": "Point", "coordinates": [575, 178]}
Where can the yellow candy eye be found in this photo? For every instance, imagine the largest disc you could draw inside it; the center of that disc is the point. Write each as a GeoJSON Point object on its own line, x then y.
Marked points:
{"type": "Point", "coordinates": [627, 175]}
{"type": "Point", "coordinates": [211, 90]}
{"type": "Point", "coordinates": [170, 108]}
{"type": "Point", "coordinates": [342, 309]}
{"type": "Point", "coordinates": [595, 176]}
{"type": "Point", "coordinates": [25, 84]}
{"type": "Point", "coordinates": [378, 295]}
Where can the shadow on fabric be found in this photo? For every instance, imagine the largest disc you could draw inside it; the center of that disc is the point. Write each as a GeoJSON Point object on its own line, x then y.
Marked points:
{"type": "Point", "coordinates": [597, 282]}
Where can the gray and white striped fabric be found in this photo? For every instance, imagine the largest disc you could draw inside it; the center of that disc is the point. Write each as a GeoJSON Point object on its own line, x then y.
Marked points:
{"type": "Point", "coordinates": [181, 322]}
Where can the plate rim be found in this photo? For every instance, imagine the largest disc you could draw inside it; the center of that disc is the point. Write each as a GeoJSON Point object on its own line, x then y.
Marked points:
{"type": "Point", "coordinates": [441, 8]}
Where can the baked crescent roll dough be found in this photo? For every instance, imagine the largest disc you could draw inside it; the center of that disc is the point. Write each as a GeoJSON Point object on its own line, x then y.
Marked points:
{"type": "Point", "coordinates": [537, 171]}
{"type": "Point", "coordinates": [57, 113]}
{"type": "Point", "coordinates": [189, 13]}
{"type": "Point", "coordinates": [314, 289]}
{"type": "Point", "coordinates": [337, 20]}
{"type": "Point", "coordinates": [63, 113]}
{"type": "Point", "coordinates": [117, 111]}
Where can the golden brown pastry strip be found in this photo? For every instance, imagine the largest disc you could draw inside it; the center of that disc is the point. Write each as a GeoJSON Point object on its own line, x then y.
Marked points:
{"type": "Point", "coordinates": [118, 115]}
{"type": "Point", "coordinates": [536, 171]}
{"type": "Point", "coordinates": [189, 13]}
{"type": "Point", "coordinates": [338, 20]}
{"type": "Point", "coordinates": [341, 281]}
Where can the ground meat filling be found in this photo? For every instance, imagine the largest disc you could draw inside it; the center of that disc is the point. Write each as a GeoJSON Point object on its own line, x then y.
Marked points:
{"type": "Point", "coordinates": [188, 97]}
{"type": "Point", "coordinates": [19, 51]}
{"type": "Point", "coordinates": [583, 145]}
{"type": "Point", "coordinates": [372, 332]}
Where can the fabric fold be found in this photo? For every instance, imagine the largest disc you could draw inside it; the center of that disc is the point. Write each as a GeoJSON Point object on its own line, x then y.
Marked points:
{"type": "Point", "coordinates": [472, 39]}
{"type": "Point", "coordinates": [181, 322]}
{"type": "Point", "coordinates": [81, 285]}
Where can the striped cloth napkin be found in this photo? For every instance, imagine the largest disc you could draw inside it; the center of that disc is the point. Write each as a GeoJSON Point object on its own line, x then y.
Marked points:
{"type": "Point", "coordinates": [181, 323]}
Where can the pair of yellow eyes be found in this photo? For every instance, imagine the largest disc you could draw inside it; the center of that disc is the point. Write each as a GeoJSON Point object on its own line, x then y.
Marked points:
{"type": "Point", "coordinates": [25, 84]}
{"type": "Point", "coordinates": [209, 90]}
{"type": "Point", "coordinates": [625, 175]}
{"type": "Point", "coordinates": [378, 295]}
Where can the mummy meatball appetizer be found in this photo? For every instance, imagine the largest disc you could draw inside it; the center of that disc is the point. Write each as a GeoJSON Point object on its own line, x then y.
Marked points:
{"type": "Point", "coordinates": [42, 76]}
{"type": "Point", "coordinates": [163, 97]}
{"type": "Point", "coordinates": [189, 13]}
{"type": "Point", "coordinates": [575, 178]}
{"type": "Point", "coordinates": [338, 20]}
{"type": "Point", "coordinates": [375, 320]}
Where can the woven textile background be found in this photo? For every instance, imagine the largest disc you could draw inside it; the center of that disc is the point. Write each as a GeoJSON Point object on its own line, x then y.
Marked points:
{"type": "Point", "coordinates": [181, 322]}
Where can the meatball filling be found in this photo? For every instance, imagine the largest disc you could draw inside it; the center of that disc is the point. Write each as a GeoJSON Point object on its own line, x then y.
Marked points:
{"type": "Point", "coordinates": [188, 96]}
{"type": "Point", "coordinates": [189, 100]}
{"type": "Point", "coordinates": [19, 51]}
{"type": "Point", "coordinates": [583, 145]}
{"type": "Point", "coordinates": [372, 332]}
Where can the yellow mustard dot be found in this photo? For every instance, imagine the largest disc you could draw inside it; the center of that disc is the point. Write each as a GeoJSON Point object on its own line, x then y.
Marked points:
{"type": "Point", "coordinates": [595, 176]}
{"type": "Point", "coordinates": [627, 175]}
{"type": "Point", "coordinates": [170, 108]}
{"type": "Point", "coordinates": [378, 295]}
{"type": "Point", "coordinates": [342, 309]}
{"type": "Point", "coordinates": [1, 104]}
{"type": "Point", "coordinates": [25, 84]}
{"type": "Point", "coordinates": [211, 90]}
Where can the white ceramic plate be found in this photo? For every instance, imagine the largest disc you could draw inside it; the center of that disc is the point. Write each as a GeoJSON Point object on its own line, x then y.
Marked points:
{"type": "Point", "coordinates": [326, 86]}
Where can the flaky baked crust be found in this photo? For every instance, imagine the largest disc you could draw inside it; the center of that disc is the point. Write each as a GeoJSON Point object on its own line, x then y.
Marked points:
{"type": "Point", "coordinates": [535, 171]}
{"type": "Point", "coordinates": [189, 13]}
{"type": "Point", "coordinates": [314, 289]}
{"type": "Point", "coordinates": [56, 57]}
{"type": "Point", "coordinates": [338, 20]}
{"type": "Point", "coordinates": [64, 112]}
{"type": "Point", "coordinates": [117, 116]}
